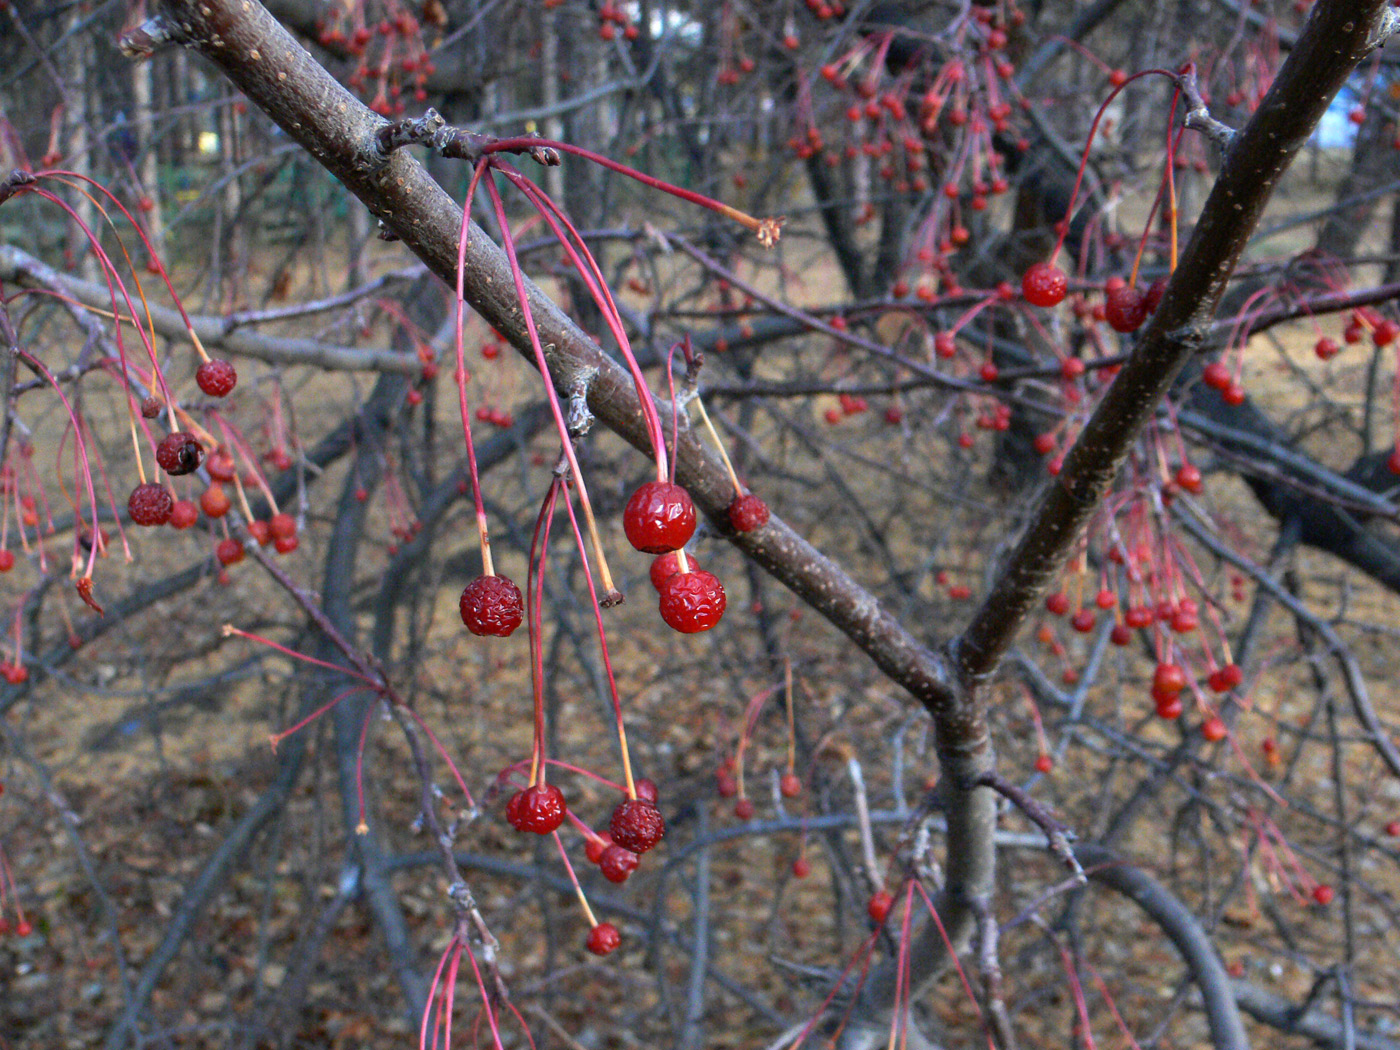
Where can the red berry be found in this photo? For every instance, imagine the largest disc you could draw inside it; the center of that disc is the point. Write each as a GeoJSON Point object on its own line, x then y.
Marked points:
{"type": "Point", "coordinates": [179, 453]}
{"type": "Point", "coordinates": [790, 786]}
{"type": "Point", "coordinates": [594, 847]}
{"type": "Point", "coordinates": [150, 408]}
{"type": "Point", "coordinates": [617, 863]}
{"type": "Point", "coordinates": [692, 602]}
{"type": "Point", "coordinates": [1217, 375]}
{"type": "Point", "coordinates": [7, 561]}
{"type": "Point", "coordinates": [282, 525]}
{"type": "Point", "coordinates": [667, 565]}
{"type": "Point", "coordinates": [1057, 604]}
{"type": "Point", "coordinates": [747, 513]}
{"type": "Point", "coordinates": [216, 378]}
{"type": "Point", "coordinates": [604, 939]}
{"type": "Point", "coordinates": [659, 517]}
{"type": "Point", "coordinates": [220, 466]}
{"type": "Point", "coordinates": [1393, 829]}
{"type": "Point", "coordinates": [1044, 284]}
{"type": "Point", "coordinates": [743, 809]}
{"type": "Point", "coordinates": [1385, 332]}
{"type": "Point", "coordinates": [1326, 349]}
{"type": "Point", "coordinates": [1233, 394]}
{"type": "Point", "coordinates": [539, 808]}
{"type": "Point", "coordinates": [285, 544]}
{"type": "Point", "coordinates": [1322, 893]}
{"type": "Point", "coordinates": [214, 501]}
{"type": "Point", "coordinates": [1153, 298]}
{"type": "Point", "coordinates": [1125, 308]}
{"type": "Point", "coordinates": [1189, 477]}
{"type": "Point", "coordinates": [801, 867]}
{"type": "Point", "coordinates": [260, 531]}
{"type": "Point", "coordinates": [646, 789]}
{"type": "Point", "coordinates": [183, 514]}
{"type": "Point", "coordinates": [491, 605]}
{"type": "Point", "coordinates": [1117, 78]}
{"type": "Point", "coordinates": [1169, 708]}
{"type": "Point", "coordinates": [1121, 634]}
{"type": "Point", "coordinates": [24, 928]}
{"type": "Point", "coordinates": [1044, 763]}
{"type": "Point", "coordinates": [1168, 679]}
{"type": "Point", "coordinates": [637, 825]}
{"type": "Point", "coordinates": [880, 905]}
{"type": "Point", "coordinates": [1214, 728]}
{"type": "Point", "coordinates": [229, 552]}
{"type": "Point", "coordinates": [150, 504]}
{"type": "Point", "coordinates": [1225, 678]}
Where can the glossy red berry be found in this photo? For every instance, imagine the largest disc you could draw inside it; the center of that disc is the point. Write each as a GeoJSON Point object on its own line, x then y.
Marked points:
{"type": "Point", "coordinates": [637, 825]}
{"type": "Point", "coordinates": [216, 378]}
{"type": "Point", "coordinates": [1044, 284]}
{"type": "Point", "coordinates": [282, 526]}
{"type": "Point", "coordinates": [229, 551]}
{"type": "Point", "coordinates": [1225, 678]}
{"type": "Point", "coordinates": [150, 504]}
{"type": "Point", "coordinates": [1326, 349]}
{"type": "Point", "coordinates": [1217, 375]}
{"type": "Point", "coordinates": [667, 565]}
{"type": "Point", "coordinates": [1121, 634]}
{"type": "Point", "coordinates": [1125, 308]}
{"type": "Point", "coordinates": [1057, 604]}
{"type": "Point", "coordinates": [604, 939]}
{"type": "Point", "coordinates": [659, 517]}
{"type": "Point", "coordinates": [179, 453]}
{"type": "Point", "coordinates": [617, 863]}
{"type": "Point", "coordinates": [790, 786]}
{"type": "Point", "coordinates": [692, 602]}
{"type": "Point", "coordinates": [594, 846]}
{"type": "Point", "coordinates": [1188, 476]}
{"type": "Point", "coordinates": [801, 867]}
{"type": "Point", "coordinates": [260, 531]}
{"type": "Point", "coordinates": [1168, 679]}
{"type": "Point", "coordinates": [1214, 728]}
{"type": "Point", "coordinates": [1044, 763]}
{"type": "Point", "coordinates": [539, 808]}
{"type": "Point", "coordinates": [1169, 707]}
{"type": "Point", "coordinates": [1322, 893]}
{"type": "Point", "coordinates": [879, 906]}
{"type": "Point", "coordinates": [747, 513]}
{"type": "Point", "coordinates": [491, 605]}
{"type": "Point", "coordinates": [7, 560]}
{"type": "Point", "coordinates": [285, 544]}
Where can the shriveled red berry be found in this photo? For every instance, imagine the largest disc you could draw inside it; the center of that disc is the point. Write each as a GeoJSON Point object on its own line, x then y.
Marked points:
{"type": "Point", "coordinates": [1125, 308]}
{"type": "Point", "coordinates": [669, 564]}
{"type": "Point", "coordinates": [646, 788]}
{"type": "Point", "coordinates": [150, 504]}
{"type": "Point", "coordinates": [151, 406]}
{"type": "Point", "coordinates": [216, 377]}
{"type": "Point", "coordinates": [617, 863]}
{"type": "Point", "coordinates": [637, 825]}
{"type": "Point", "coordinates": [604, 939]}
{"type": "Point", "coordinates": [539, 808]}
{"type": "Point", "coordinates": [692, 602]}
{"type": "Point", "coordinates": [659, 517]}
{"type": "Point", "coordinates": [491, 605]}
{"type": "Point", "coordinates": [879, 906]}
{"type": "Point", "coordinates": [229, 551]}
{"type": "Point", "coordinates": [184, 514]}
{"type": "Point", "coordinates": [1044, 284]}
{"type": "Point", "coordinates": [179, 453]}
{"type": "Point", "coordinates": [747, 513]}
